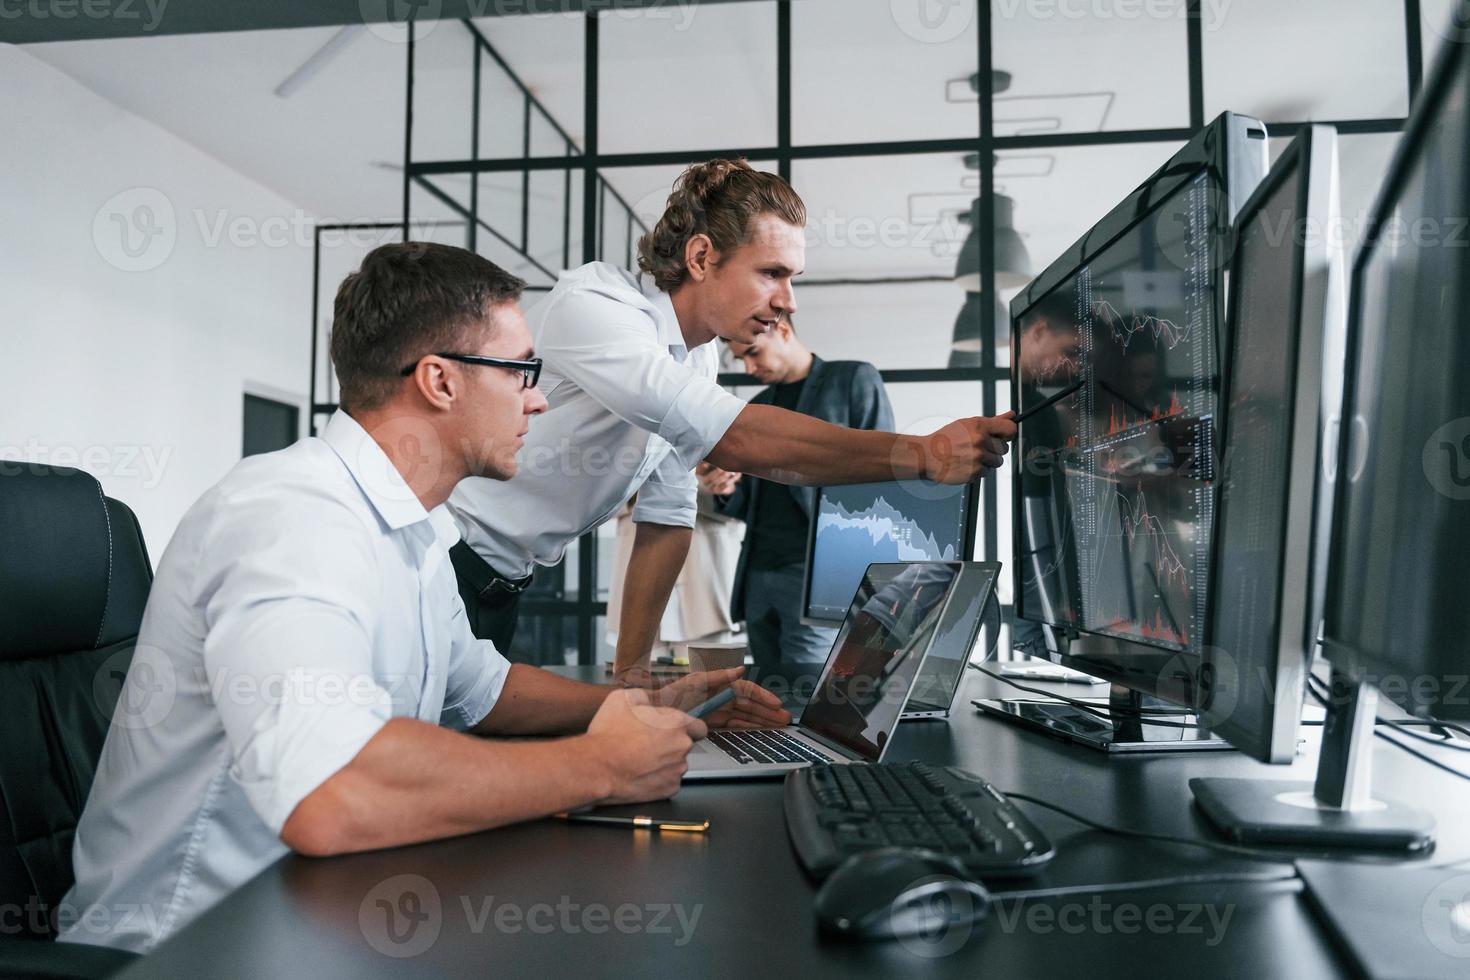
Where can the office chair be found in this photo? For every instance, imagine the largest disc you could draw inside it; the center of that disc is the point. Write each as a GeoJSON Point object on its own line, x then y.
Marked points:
{"type": "Point", "coordinates": [74, 576]}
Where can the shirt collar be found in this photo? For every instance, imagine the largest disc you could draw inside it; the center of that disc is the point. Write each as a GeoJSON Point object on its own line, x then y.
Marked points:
{"type": "Point", "coordinates": [669, 333]}
{"type": "Point", "coordinates": [375, 474]}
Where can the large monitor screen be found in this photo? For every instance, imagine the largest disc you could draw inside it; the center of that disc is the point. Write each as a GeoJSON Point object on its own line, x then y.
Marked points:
{"type": "Point", "coordinates": [1116, 499]}
{"type": "Point", "coordinates": [889, 625]}
{"type": "Point", "coordinates": [855, 526]}
{"type": "Point", "coordinates": [1397, 610]}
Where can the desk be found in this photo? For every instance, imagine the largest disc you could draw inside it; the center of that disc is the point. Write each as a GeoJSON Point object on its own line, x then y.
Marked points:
{"type": "Point", "coordinates": [544, 899]}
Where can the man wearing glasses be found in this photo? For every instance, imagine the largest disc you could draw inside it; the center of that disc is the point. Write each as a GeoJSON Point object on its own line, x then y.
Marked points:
{"type": "Point", "coordinates": [304, 676]}
{"type": "Point", "coordinates": [634, 406]}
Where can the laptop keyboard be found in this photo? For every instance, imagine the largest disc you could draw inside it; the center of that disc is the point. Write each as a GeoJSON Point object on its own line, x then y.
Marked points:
{"type": "Point", "coordinates": [747, 747]}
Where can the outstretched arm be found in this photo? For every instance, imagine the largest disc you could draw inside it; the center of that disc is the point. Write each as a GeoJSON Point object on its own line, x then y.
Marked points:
{"type": "Point", "coordinates": [792, 448]}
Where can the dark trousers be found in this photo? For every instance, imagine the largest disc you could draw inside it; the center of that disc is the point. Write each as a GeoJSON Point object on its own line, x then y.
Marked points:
{"type": "Point", "coordinates": [493, 621]}
{"type": "Point", "coordinates": [788, 654]}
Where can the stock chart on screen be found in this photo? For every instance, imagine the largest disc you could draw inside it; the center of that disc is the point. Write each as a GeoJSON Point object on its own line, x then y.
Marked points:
{"type": "Point", "coordinates": [1116, 507]}
{"type": "Point", "coordinates": [878, 522]}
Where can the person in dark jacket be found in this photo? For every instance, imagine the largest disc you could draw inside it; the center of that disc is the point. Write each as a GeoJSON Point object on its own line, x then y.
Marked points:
{"type": "Point", "coordinates": [768, 578]}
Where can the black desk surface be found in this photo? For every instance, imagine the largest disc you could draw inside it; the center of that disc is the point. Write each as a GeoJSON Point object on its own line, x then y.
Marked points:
{"type": "Point", "coordinates": [552, 899]}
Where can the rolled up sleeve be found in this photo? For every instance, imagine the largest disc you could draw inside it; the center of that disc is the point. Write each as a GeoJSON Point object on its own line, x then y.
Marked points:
{"type": "Point", "coordinates": [612, 351]}
{"type": "Point", "coordinates": [669, 496]}
{"type": "Point", "coordinates": [288, 650]}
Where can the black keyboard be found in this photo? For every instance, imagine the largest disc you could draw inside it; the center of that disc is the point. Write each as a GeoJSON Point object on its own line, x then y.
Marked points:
{"type": "Point", "coordinates": [834, 811]}
{"type": "Point", "coordinates": [747, 747]}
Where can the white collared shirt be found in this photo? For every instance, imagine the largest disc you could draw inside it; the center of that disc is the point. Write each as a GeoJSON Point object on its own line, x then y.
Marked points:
{"type": "Point", "coordinates": [631, 410]}
{"type": "Point", "coordinates": [303, 601]}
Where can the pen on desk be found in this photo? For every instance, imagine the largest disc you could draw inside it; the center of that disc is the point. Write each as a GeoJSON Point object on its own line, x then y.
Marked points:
{"type": "Point", "coordinates": [650, 823]}
{"type": "Point", "coordinates": [713, 704]}
{"type": "Point", "coordinates": [1049, 402]}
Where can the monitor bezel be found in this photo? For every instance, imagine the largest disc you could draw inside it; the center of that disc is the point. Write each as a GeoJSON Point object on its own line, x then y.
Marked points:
{"type": "Point", "coordinates": [1231, 149]}
{"type": "Point", "coordinates": [1312, 154]}
{"type": "Point", "coordinates": [967, 548]}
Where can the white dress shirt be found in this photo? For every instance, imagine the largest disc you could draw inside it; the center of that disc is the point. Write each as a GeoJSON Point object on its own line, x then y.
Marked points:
{"type": "Point", "coordinates": [631, 410]}
{"type": "Point", "coordinates": [303, 601]}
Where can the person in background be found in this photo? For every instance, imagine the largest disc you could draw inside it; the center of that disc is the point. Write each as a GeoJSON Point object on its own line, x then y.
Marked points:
{"type": "Point", "coordinates": [698, 612]}
{"type": "Point", "coordinates": [768, 579]}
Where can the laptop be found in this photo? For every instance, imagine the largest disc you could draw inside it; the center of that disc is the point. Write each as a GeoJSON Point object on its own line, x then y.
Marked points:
{"type": "Point", "coordinates": [850, 717]}
{"type": "Point", "coordinates": [944, 668]}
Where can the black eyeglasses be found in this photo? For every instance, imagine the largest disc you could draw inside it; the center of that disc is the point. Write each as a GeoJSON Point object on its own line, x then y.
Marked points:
{"type": "Point", "coordinates": [530, 370]}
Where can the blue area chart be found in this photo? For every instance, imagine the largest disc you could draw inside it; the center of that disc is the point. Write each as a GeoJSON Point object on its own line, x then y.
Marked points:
{"type": "Point", "coordinates": [850, 536]}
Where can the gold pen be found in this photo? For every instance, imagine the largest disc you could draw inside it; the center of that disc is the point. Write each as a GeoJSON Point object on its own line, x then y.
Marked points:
{"type": "Point", "coordinates": [651, 823]}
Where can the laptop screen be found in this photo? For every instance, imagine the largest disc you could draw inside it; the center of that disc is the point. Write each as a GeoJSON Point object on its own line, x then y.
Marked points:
{"type": "Point", "coordinates": [866, 680]}
{"type": "Point", "coordinates": [954, 638]}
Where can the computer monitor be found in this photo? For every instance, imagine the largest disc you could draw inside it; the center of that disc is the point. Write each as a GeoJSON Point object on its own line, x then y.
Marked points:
{"type": "Point", "coordinates": [855, 526]}
{"type": "Point", "coordinates": [1286, 327]}
{"type": "Point", "coordinates": [1117, 350]}
{"type": "Point", "coordinates": [1395, 618]}
{"type": "Point", "coordinates": [1398, 612]}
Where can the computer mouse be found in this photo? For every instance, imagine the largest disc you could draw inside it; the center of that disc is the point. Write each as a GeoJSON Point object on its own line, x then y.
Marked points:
{"type": "Point", "coordinates": [899, 891]}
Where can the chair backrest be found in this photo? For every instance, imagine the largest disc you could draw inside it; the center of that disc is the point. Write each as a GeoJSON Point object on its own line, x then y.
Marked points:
{"type": "Point", "coordinates": [74, 577]}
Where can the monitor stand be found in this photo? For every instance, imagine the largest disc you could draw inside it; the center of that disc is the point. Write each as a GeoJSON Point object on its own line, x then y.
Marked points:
{"type": "Point", "coordinates": [1339, 808]}
{"type": "Point", "coordinates": [1124, 731]}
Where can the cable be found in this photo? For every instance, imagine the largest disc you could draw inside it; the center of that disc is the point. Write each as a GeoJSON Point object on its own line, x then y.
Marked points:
{"type": "Point", "coordinates": [1442, 742]}
{"type": "Point", "coordinates": [1121, 886]}
{"type": "Point", "coordinates": [1127, 714]}
{"type": "Point", "coordinates": [1144, 835]}
{"type": "Point", "coordinates": [1420, 755]}
{"type": "Point", "coordinates": [1404, 726]}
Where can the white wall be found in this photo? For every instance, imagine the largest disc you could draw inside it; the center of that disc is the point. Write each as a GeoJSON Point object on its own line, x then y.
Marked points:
{"type": "Point", "coordinates": [133, 367]}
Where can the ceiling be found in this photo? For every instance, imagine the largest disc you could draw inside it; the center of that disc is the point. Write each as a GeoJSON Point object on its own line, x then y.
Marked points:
{"type": "Point", "coordinates": [33, 23]}
{"type": "Point", "coordinates": [677, 77]}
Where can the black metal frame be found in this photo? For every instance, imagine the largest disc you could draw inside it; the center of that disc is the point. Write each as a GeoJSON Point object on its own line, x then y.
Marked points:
{"type": "Point", "coordinates": [590, 160]}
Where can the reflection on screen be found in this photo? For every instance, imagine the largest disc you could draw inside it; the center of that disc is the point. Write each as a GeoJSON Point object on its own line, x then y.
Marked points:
{"type": "Point", "coordinates": [867, 678]}
{"type": "Point", "coordinates": [1399, 595]}
{"type": "Point", "coordinates": [953, 639]}
{"type": "Point", "coordinates": [1116, 507]}
{"type": "Point", "coordinates": [1257, 450]}
{"type": "Point", "coordinates": [879, 522]}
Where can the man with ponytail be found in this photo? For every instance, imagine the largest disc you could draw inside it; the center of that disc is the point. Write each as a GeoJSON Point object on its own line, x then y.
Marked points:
{"type": "Point", "coordinates": [634, 406]}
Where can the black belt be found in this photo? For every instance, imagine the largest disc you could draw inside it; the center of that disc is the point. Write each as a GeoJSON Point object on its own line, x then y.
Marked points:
{"type": "Point", "coordinates": [491, 588]}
